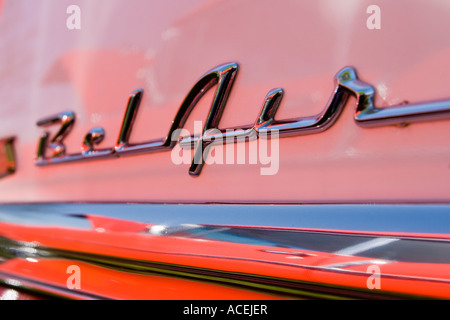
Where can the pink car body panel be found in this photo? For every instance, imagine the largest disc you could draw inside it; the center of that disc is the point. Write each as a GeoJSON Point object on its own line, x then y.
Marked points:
{"type": "Point", "coordinates": [165, 47]}
{"type": "Point", "coordinates": [365, 188]}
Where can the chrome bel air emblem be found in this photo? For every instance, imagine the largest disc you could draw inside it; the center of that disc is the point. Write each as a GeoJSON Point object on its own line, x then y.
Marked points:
{"type": "Point", "coordinates": [52, 150]}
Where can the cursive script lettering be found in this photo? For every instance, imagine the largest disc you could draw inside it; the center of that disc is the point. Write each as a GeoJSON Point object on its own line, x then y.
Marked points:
{"type": "Point", "coordinates": [222, 78]}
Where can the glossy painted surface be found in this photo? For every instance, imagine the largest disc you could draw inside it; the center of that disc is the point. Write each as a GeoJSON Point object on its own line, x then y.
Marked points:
{"type": "Point", "coordinates": [129, 258]}
{"type": "Point", "coordinates": [343, 200]}
{"type": "Point", "coordinates": [165, 47]}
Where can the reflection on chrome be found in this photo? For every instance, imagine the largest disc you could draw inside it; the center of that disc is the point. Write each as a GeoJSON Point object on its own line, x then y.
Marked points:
{"type": "Point", "coordinates": [162, 230]}
{"type": "Point", "coordinates": [9, 294]}
{"type": "Point", "coordinates": [346, 83]}
{"type": "Point", "coordinates": [13, 282]}
{"type": "Point", "coordinates": [66, 120]}
{"type": "Point", "coordinates": [94, 136]}
{"type": "Point", "coordinates": [367, 114]}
